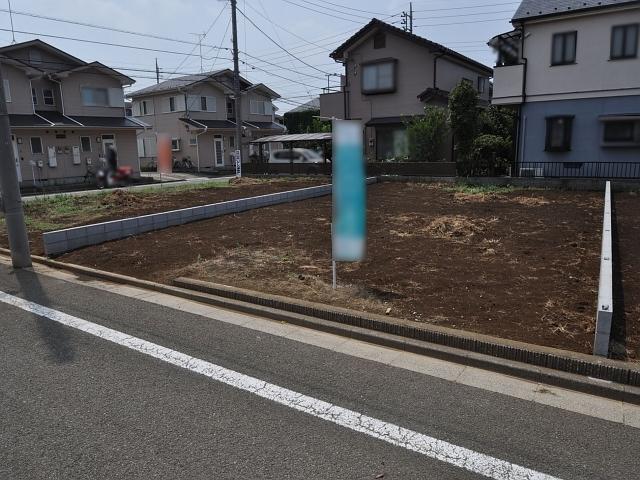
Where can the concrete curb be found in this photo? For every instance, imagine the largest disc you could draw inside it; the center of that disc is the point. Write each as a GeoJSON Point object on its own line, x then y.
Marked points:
{"type": "Point", "coordinates": [604, 315]}
{"type": "Point", "coordinates": [571, 381]}
{"type": "Point", "coordinates": [552, 358]}
{"type": "Point", "coordinates": [60, 241]}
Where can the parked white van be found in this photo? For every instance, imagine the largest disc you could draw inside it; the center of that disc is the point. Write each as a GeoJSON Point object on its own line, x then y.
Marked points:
{"type": "Point", "coordinates": [300, 155]}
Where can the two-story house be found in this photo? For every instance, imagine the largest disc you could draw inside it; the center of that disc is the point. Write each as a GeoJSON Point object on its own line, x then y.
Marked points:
{"type": "Point", "coordinates": [572, 69]}
{"type": "Point", "coordinates": [64, 114]}
{"type": "Point", "coordinates": [391, 75]}
{"type": "Point", "coordinates": [198, 113]}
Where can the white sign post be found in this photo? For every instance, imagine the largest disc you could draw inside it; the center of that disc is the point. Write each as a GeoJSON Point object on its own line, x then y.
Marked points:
{"type": "Point", "coordinates": [238, 160]}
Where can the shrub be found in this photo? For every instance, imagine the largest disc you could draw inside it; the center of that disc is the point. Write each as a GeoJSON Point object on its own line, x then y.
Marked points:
{"type": "Point", "coordinates": [490, 155]}
{"type": "Point", "coordinates": [427, 135]}
{"type": "Point", "coordinates": [464, 115]}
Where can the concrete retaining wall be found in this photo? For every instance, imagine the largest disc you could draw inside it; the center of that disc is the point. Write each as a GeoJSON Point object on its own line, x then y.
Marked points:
{"type": "Point", "coordinates": [604, 314]}
{"type": "Point", "coordinates": [61, 241]}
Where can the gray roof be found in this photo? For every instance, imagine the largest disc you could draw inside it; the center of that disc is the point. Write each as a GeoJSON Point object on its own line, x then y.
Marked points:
{"type": "Point", "coordinates": [313, 104]}
{"type": "Point", "coordinates": [174, 83]}
{"type": "Point", "coordinates": [543, 8]}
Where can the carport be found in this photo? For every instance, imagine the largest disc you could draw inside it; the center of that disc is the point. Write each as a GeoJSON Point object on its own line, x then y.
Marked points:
{"type": "Point", "coordinates": [290, 141]}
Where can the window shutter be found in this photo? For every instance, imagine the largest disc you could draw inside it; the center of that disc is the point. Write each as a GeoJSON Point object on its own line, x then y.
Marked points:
{"type": "Point", "coordinates": [116, 97]}
{"type": "Point", "coordinates": [7, 91]}
{"type": "Point", "coordinates": [211, 104]}
{"type": "Point", "coordinates": [268, 108]}
{"type": "Point", "coordinates": [253, 107]}
{"type": "Point", "coordinates": [136, 109]}
{"type": "Point", "coordinates": [150, 146]}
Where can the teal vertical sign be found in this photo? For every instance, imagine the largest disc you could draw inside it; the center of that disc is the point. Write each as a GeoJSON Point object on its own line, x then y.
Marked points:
{"type": "Point", "coordinates": [349, 228]}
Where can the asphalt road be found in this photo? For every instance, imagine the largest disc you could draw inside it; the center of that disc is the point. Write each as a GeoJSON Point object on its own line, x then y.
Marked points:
{"type": "Point", "coordinates": [74, 405]}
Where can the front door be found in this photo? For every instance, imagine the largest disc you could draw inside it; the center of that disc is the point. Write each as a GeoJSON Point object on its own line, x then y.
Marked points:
{"type": "Point", "coordinates": [108, 141]}
{"type": "Point", "coordinates": [218, 150]}
{"type": "Point", "coordinates": [16, 157]}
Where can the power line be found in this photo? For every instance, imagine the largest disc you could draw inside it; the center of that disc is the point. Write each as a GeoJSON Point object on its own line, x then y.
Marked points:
{"type": "Point", "coordinates": [278, 45]}
{"type": "Point", "coordinates": [322, 13]}
{"type": "Point", "coordinates": [101, 27]}
{"type": "Point", "coordinates": [466, 7]}
{"type": "Point", "coordinates": [215, 20]}
{"type": "Point", "coordinates": [95, 42]}
{"type": "Point", "coordinates": [354, 15]}
{"type": "Point", "coordinates": [354, 9]}
{"type": "Point", "coordinates": [463, 15]}
{"type": "Point", "coordinates": [461, 23]}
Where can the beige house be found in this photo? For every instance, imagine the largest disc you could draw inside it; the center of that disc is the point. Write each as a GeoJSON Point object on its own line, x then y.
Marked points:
{"type": "Point", "coordinates": [64, 114]}
{"type": "Point", "coordinates": [390, 76]}
{"type": "Point", "coordinates": [197, 112]}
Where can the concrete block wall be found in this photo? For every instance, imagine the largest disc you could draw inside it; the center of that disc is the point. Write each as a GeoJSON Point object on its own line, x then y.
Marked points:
{"type": "Point", "coordinates": [61, 241]}
{"type": "Point", "coordinates": [604, 315]}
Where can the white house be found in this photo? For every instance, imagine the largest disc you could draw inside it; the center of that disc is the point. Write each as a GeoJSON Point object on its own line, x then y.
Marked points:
{"type": "Point", "coordinates": [572, 68]}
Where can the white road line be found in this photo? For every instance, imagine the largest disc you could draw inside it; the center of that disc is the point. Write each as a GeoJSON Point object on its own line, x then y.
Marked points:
{"type": "Point", "coordinates": [411, 440]}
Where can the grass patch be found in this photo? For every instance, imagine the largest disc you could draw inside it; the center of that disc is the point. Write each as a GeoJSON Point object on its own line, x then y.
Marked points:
{"type": "Point", "coordinates": [187, 187]}
{"type": "Point", "coordinates": [481, 189]}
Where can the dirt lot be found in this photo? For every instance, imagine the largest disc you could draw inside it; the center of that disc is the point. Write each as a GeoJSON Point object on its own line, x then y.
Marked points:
{"type": "Point", "coordinates": [627, 258]}
{"type": "Point", "coordinates": [71, 211]}
{"type": "Point", "coordinates": [519, 264]}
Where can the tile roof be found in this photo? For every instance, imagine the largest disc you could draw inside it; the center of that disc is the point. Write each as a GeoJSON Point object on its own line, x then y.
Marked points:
{"type": "Point", "coordinates": [543, 8]}
{"type": "Point", "coordinates": [175, 83]}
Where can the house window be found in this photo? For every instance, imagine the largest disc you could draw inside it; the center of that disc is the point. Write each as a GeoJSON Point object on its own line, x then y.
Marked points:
{"type": "Point", "coordinates": [621, 133]}
{"type": "Point", "coordinates": [379, 40]}
{"type": "Point", "coordinates": [172, 104]}
{"type": "Point", "coordinates": [391, 143]}
{"type": "Point", "coordinates": [94, 97]}
{"type": "Point", "coordinates": [203, 104]}
{"type": "Point", "coordinates": [232, 141]}
{"type": "Point", "coordinates": [379, 77]}
{"type": "Point", "coordinates": [85, 143]}
{"type": "Point", "coordinates": [7, 91]}
{"type": "Point", "coordinates": [193, 141]}
{"type": "Point", "coordinates": [558, 137]}
{"type": "Point", "coordinates": [259, 107]}
{"type": "Point", "coordinates": [34, 96]}
{"type": "Point", "coordinates": [624, 42]}
{"type": "Point", "coordinates": [47, 96]}
{"type": "Point", "coordinates": [36, 145]}
{"type": "Point", "coordinates": [144, 108]}
{"type": "Point", "coordinates": [175, 144]}
{"type": "Point", "coordinates": [230, 107]}
{"type": "Point", "coordinates": [564, 48]}
{"type": "Point", "coordinates": [482, 84]}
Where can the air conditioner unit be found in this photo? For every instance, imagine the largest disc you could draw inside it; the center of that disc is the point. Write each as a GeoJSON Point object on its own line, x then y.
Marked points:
{"type": "Point", "coordinates": [531, 172]}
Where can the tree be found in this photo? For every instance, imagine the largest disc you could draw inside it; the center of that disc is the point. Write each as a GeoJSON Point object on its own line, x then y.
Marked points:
{"type": "Point", "coordinates": [300, 122]}
{"type": "Point", "coordinates": [464, 115]}
{"type": "Point", "coordinates": [491, 155]}
{"type": "Point", "coordinates": [427, 135]}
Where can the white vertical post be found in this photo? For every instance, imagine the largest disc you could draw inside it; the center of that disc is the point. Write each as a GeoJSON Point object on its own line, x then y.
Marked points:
{"type": "Point", "coordinates": [604, 315]}
{"type": "Point", "coordinates": [333, 264]}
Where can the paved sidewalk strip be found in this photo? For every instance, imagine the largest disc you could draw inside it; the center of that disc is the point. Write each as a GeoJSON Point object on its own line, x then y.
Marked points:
{"type": "Point", "coordinates": [431, 447]}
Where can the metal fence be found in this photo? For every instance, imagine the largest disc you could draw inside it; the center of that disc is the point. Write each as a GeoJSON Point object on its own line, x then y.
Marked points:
{"type": "Point", "coordinates": [609, 170]}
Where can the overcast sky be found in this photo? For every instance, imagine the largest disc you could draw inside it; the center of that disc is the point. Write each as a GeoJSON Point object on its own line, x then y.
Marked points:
{"type": "Point", "coordinates": [462, 25]}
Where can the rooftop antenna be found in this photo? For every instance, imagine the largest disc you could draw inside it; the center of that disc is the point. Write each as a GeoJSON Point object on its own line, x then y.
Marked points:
{"type": "Point", "coordinates": [11, 18]}
{"type": "Point", "coordinates": [200, 37]}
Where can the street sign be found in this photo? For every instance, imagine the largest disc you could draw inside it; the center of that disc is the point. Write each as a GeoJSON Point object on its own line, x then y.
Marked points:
{"type": "Point", "coordinates": [238, 160]}
{"type": "Point", "coordinates": [349, 226]}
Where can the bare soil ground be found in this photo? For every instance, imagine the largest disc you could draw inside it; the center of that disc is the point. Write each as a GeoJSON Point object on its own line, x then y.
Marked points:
{"type": "Point", "coordinates": [626, 332]}
{"type": "Point", "coordinates": [520, 264]}
{"type": "Point", "coordinates": [68, 211]}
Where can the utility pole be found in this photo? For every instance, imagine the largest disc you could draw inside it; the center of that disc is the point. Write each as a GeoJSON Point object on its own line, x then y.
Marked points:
{"type": "Point", "coordinates": [411, 17]}
{"type": "Point", "coordinates": [10, 188]}
{"type": "Point", "coordinates": [236, 81]}
{"type": "Point", "coordinates": [407, 19]}
{"type": "Point", "coordinates": [157, 72]}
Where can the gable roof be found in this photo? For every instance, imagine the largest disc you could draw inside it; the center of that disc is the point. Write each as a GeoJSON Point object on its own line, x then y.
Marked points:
{"type": "Point", "coordinates": [313, 104]}
{"type": "Point", "coordinates": [103, 69]}
{"type": "Point", "coordinates": [185, 81]}
{"type": "Point", "coordinates": [376, 24]}
{"type": "Point", "coordinates": [72, 61]}
{"type": "Point", "coordinates": [546, 8]}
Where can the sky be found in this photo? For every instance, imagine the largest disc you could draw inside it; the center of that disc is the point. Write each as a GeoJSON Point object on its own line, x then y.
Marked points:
{"type": "Point", "coordinates": [284, 44]}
